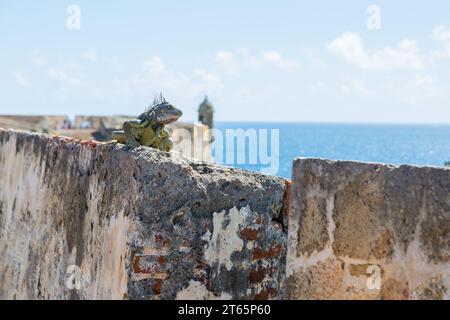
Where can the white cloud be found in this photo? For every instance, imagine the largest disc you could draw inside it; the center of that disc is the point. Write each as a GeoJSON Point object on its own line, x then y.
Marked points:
{"type": "Point", "coordinates": [412, 90]}
{"type": "Point", "coordinates": [20, 78]}
{"type": "Point", "coordinates": [312, 56]}
{"type": "Point", "coordinates": [154, 65]}
{"type": "Point", "coordinates": [409, 88]}
{"type": "Point", "coordinates": [75, 78]}
{"type": "Point", "coordinates": [207, 80]}
{"type": "Point", "coordinates": [420, 88]}
{"type": "Point", "coordinates": [275, 58]}
{"type": "Point", "coordinates": [442, 34]}
{"type": "Point", "coordinates": [355, 87]}
{"type": "Point", "coordinates": [233, 62]}
{"type": "Point", "coordinates": [228, 61]}
{"type": "Point", "coordinates": [63, 78]}
{"type": "Point", "coordinates": [67, 75]}
{"type": "Point", "coordinates": [156, 76]}
{"type": "Point", "coordinates": [403, 56]}
{"type": "Point", "coordinates": [90, 55]}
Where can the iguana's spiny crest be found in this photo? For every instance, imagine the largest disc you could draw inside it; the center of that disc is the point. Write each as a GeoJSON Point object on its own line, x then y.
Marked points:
{"type": "Point", "coordinates": [161, 112]}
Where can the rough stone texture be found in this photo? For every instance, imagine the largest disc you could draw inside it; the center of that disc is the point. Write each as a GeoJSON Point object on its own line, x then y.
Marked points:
{"type": "Point", "coordinates": [348, 217]}
{"type": "Point", "coordinates": [140, 223]}
{"type": "Point", "coordinates": [145, 224]}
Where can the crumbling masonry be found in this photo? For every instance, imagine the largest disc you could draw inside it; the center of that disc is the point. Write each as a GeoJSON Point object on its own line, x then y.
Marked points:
{"type": "Point", "coordinates": [144, 224]}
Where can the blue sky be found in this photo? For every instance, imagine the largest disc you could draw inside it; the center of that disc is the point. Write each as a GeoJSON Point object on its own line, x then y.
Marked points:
{"type": "Point", "coordinates": [256, 60]}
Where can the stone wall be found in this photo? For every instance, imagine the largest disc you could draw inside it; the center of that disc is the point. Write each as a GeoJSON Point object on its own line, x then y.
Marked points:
{"type": "Point", "coordinates": [368, 231]}
{"type": "Point", "coordinates": [134, 223]}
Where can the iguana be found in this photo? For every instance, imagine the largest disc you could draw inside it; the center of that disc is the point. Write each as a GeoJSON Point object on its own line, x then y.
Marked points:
{"type": "Point", "coordinates": [148, 129]}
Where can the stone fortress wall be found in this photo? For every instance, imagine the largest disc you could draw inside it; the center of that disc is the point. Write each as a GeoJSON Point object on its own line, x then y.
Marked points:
{"type": "Point", "coordinates": [83, 220]}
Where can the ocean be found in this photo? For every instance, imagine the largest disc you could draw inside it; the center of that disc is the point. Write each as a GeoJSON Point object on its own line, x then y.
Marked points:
{"type": "Point", "coordinates": [385, 143]}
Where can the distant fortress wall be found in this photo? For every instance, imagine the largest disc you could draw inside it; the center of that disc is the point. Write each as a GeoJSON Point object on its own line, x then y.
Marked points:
{"type": "Point", "coordinates": [82, 220]}
{"type": "Point", "coordinates": [190, 139]}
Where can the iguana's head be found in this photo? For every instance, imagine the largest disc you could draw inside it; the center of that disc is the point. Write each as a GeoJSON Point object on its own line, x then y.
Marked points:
{"type": "Point", "coordinates": [162, 112]}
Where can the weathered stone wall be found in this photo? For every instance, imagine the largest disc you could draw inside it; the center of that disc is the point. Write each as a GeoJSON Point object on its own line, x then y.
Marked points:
{"type": "Point", "coordinates": [350, 222]}
{"type": "Point", "coordinates": [145, 224]}
{"type": "Point", "coordinates": [139, 223]}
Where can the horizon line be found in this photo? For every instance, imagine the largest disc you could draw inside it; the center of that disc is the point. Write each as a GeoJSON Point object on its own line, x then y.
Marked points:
{"type": "Point", "coordinates": [242, 121]}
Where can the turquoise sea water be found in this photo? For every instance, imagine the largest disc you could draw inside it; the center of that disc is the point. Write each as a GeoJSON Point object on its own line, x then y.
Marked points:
{"type": "Point", "coordinates": [386, 143]}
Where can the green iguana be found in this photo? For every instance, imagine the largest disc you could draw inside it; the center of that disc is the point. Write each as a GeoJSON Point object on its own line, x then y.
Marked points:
{"type": "Point", "coordinates": [148, 129]}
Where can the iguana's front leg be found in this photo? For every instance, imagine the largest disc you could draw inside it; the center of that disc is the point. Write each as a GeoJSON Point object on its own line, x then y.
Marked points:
{"type": "Point", "coordinates": [166, 143]}
{"type": "Point", "coordinates": [119, 136]}
{"type": "Point", "coordinates": [150, 135]}
{"type": "Point", "coordinates": [163, 142]}
{"type": "Point", "coordinates": [128, 128]}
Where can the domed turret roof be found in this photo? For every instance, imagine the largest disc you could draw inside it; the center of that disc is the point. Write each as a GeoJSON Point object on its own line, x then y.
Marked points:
{"type": "Point", "coordinates": [205, 106]}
